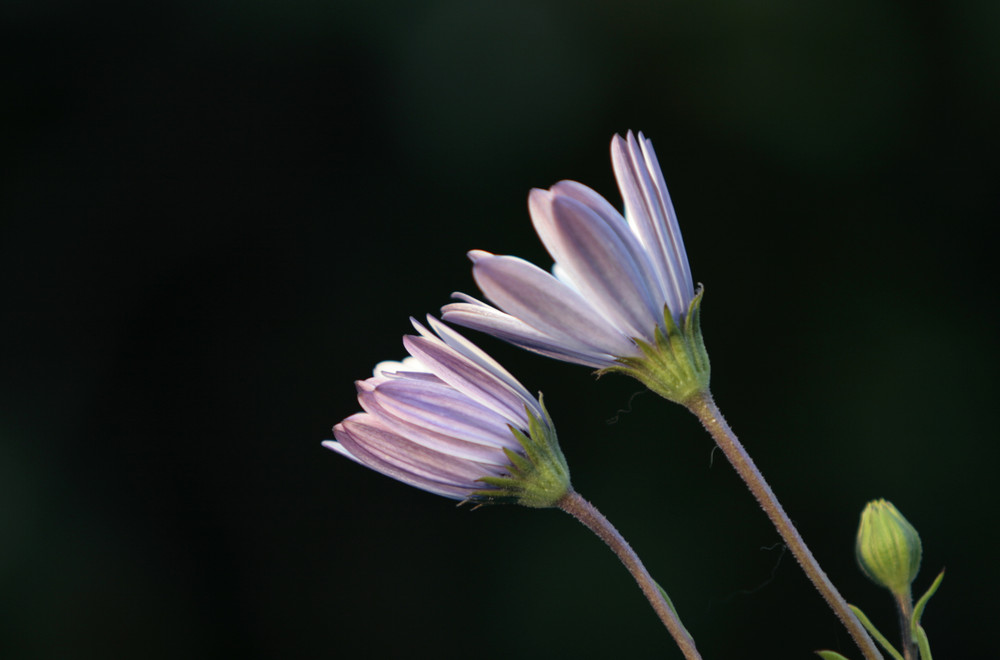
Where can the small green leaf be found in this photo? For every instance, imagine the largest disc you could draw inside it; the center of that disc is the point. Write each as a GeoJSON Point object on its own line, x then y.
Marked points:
{"type": "Point", "coordinates": [918, 610]}
{"type": "Point", "coordinates": [670, 604]}
{"type": "Point", "coordinates": [915, 628]}
{"type": "Point", "coordinates": [830, 655]}
{"type": "Point", "coordinates": [923, 644]}
{"type": "Point", "coordinates": [873, 631]}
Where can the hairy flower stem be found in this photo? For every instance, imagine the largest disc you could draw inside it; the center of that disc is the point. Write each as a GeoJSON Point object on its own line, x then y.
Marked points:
{"type": "Point", "coordinates": [904, 604]}
{"type": "Point", "coordinates": [703, 406]}
{"type": "Point", "coordinates": [573, 504]}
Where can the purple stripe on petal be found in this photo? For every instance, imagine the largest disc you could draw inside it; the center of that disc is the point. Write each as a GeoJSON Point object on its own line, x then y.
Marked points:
{"type": "Point", "coordinates": [365, 436]}
{"type": "Point", "coordinates": [591, 198]}
{"type": "Point", "coordinates": [477, 355]}
{"type": "Point", "coordinates": [527, 292]}
{"type": "Point", "coordinates": [673, 227]}
{"type": "Point", "coordinates": [636, 214]}
{"type": "Point", "coordinates": [616, 223]}
{"type": "Point", "coordinates": [648, 216]}
{"type": "Point", "coordinates": [416, 375]}
{"type": "Point", "coordinates": [468, 378]}
{"type": "Point", "coordinates": [442, 410]}
{"type": "Point", "coordinates": [480, 316]}
{"type": "Point", "coordinates": [457, 447]}
{"type": "Point", "coordinates": [369, 460]}
{"type": "Point", "coordinates": [601, 264]}
{"type": "Point", "coordinates": [516, 327]}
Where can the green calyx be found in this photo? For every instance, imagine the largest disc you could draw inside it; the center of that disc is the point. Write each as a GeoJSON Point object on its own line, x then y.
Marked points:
{"type": "Point", "coordinates": [888, 547]}
{"type": "Point", "coordinates": [675, 365]}
{"type": "Point", "coordinates": [540, 477]}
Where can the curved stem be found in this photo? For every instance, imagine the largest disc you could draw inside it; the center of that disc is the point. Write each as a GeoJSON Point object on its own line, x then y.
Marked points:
{"type": "Point", "coordinates": [703, 406]}
{"type": "Point", "coordinates": [573, 504]}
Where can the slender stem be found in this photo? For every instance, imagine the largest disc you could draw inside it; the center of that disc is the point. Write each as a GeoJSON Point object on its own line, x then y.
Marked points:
{"type": "Point", "coordinates": [904, 605]}
{"type": "Point", "coordinates": [703, 406]}
{"type": "Point", "coordinates": [573, 504]}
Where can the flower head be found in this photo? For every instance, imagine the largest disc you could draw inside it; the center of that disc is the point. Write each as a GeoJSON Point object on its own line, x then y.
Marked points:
{"type": "Point", "coordinates": [450, 420]}
{"type": "Point", "coordinates": [620, 296]}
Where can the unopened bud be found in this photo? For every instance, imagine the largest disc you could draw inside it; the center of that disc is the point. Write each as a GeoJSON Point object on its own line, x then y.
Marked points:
{"type": "Point", "coordinates": [888, 547]}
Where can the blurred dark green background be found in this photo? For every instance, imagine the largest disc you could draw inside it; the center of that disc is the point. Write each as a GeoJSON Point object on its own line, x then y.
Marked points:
{"type": "Point", "coordinates": [215, 216]}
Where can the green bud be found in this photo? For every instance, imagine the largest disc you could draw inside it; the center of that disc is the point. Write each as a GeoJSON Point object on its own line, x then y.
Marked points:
{"type": "Point", "coordinates": [888, 547]}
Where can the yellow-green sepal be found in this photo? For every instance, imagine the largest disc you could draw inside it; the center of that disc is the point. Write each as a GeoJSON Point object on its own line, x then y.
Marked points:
{"type": "Point", "coordinates": [540, 477]}
{"type": "Point", "coordinates": [675, 365]}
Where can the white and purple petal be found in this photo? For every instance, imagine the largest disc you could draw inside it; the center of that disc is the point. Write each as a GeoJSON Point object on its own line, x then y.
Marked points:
{"type": "Point", "coordinates": [529, 293]}
{"type": "Point", "coordinates": [615, 222]}
{"type": "Point", "coordinates": [469, 379]}
{"type": "Point", "coordinates": [436, 412]}
{"type": "Point", "coordinates": [477, 315]}
{"type": "Point", "coordinates": [650, 213]}
{"type": "Point", "coordinates": [607, 270]}
{"type": "Point", "coordinates": [478, 356]}
{"type": "Point", "coordinates": [676, 240]}
{"type": "Point", "coordinates": [364, 439]}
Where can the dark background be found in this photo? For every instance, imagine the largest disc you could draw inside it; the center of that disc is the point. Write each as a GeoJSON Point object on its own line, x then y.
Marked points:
{"type": "Point", "coordinates": [217, 215]}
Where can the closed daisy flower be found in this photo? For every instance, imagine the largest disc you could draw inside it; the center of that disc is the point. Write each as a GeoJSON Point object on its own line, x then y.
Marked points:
{"type": "Point", "coordinates": [450, 420]}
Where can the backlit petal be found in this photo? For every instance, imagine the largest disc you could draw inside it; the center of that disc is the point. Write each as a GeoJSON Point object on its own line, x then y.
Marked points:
{"type": "Point", "coordinates": [600, 264]}
{"type": "Point", "coordinates": [527, 292]}
{"type": "Point", "coordinates": [478, 315]}
{"type": "Point", "coordinates": [469, 379]}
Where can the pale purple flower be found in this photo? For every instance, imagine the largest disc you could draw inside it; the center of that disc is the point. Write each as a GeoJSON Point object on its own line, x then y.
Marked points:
{"type": "Point", "coordinates": [450, 420]}
{"type": "Point", "coordinates": [614, 278]}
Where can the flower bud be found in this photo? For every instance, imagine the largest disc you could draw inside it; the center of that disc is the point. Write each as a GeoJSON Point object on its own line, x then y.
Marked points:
{"type": "Point", "coordinates": [888, 547]}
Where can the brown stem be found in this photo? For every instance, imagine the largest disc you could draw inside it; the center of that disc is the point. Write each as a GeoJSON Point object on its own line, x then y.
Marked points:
{"type": "Point", "coordinates": [703, 406]}
{"type": "Point", "coordinates": [573, 504]}
{"type": "Point", "coordinates": [904, 605]}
